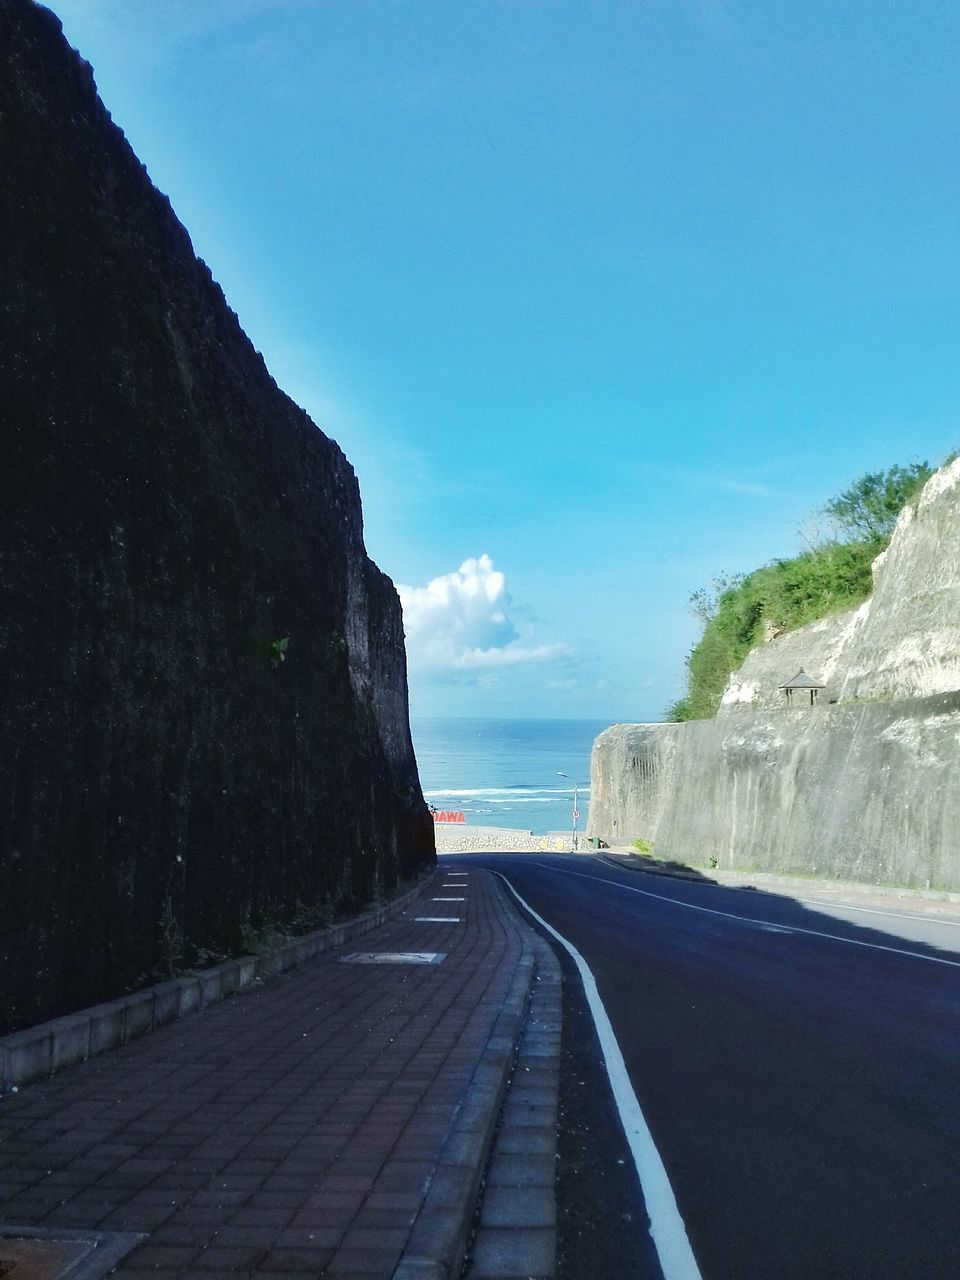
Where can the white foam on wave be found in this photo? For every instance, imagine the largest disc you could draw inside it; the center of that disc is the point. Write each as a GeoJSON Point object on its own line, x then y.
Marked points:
{"type": "Point", "coordinates": [515, 794]}
{"type": "Point", "coordinates": [520, 800]}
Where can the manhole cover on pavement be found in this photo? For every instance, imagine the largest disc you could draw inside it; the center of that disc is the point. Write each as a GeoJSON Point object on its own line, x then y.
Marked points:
{"type": "Point", "coordinates": [394, 957]}
{"type": "Point", "coordinates": [31, 1253]}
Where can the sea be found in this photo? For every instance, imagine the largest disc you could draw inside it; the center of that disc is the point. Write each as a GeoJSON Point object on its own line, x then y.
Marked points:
{"type": "Point", "coordinates": [507, 773]}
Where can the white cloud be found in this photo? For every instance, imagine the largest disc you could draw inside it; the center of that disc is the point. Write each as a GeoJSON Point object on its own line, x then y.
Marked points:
{"type": "Point", "coordinates": [747, 487]}
{"type": "Point", "coordinates": [459, 621]}
{"type": "Point", "coordinates": [511, 655]}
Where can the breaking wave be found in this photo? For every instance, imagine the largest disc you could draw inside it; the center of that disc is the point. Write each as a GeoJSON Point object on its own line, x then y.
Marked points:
{"type": "Point", "coordinates": [508, 795]}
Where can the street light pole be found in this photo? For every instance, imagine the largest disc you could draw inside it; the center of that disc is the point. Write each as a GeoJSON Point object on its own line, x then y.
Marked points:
{"type": "Point", "coordinates": [576, 807]}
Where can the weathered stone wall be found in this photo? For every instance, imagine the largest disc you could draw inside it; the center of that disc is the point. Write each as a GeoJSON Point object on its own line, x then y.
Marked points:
{"type": "Point", "coordinates": [862, 792]}
{"type": "Point", "coordinates": [166, 516]}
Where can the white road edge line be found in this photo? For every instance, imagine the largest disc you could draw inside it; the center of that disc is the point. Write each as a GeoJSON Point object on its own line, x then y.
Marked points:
{"type": "Point", "coordinates": [667, 1228]}
{"type": "Point", "coordinates": [880, 911]}
{"type": "Point", "coordinates": [712, 911]}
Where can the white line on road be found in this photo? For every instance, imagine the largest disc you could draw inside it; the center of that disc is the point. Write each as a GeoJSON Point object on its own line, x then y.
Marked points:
{"type": "Point", "coordinates": [712, 911]}
{"type": "Point", "coordinates": [880, 911]}
{"type": "Point", "coordinates": [666, 1225]}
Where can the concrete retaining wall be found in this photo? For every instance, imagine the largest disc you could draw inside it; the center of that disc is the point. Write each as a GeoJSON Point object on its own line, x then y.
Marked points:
{"type": "Point", "coordinates": [862, 792]}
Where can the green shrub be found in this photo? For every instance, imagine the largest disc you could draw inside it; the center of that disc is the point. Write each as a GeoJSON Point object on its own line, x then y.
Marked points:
{"type": "Point", "coordinates": [868, 510]}
{"type": "Point", "coordinates": [643, 846]}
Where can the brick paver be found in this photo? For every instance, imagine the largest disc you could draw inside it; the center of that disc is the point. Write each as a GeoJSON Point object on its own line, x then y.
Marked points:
{"type": "Point", "coordinates": [291, 1130]}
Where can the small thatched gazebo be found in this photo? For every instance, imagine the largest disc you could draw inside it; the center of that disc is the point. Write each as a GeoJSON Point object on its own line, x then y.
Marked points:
{"type": "Point", "coordinates": [802, 683]}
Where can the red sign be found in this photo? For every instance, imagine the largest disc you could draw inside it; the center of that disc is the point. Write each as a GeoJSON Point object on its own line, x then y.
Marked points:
{"type": "Point", "coordinates": [447, 815]}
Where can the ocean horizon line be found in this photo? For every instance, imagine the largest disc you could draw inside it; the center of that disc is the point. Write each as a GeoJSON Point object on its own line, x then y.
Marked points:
{"type": "Point", "coordinates": [518, 719]}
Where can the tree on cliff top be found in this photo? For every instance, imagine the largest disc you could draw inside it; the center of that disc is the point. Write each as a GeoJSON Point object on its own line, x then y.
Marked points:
{"type": "Point", "coordinates": [790, 593]}
{"type": "Point", "coordinates": [868, 510]}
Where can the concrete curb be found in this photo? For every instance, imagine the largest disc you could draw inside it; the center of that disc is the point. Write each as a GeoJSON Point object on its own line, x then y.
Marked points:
{"type": "Point", "coordinates": [769, 880]}
{"type": "Point", "coordinates": [438, 1240]}
{"type": "Point", "coordinates": [613, 861]}
{"type": "Point", "coordinates": [39, 1051]}
{"type": "Point", "coordinates": [515, 1226]}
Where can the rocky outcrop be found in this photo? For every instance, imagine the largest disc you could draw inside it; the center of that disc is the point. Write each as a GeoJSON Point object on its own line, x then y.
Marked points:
{"type": "Point", "coordinates": [907, 644]}
{"type": "Point", "coordinates": [903, 642]}
{"type": "Point", "coordinates": [202, 677]}
{"type": "Point", "coordinates": [817, 649]}
{"type": "Point", "coordinates": [862, 786]}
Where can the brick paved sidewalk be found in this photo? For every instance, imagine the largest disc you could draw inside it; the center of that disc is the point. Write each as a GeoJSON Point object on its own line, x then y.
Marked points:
{"type": "Point", "coordinates": [294, 1128]}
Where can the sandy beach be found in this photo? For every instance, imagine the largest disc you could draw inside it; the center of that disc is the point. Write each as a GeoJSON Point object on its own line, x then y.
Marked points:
{"type": "Point", "coordinates": [455, 838]}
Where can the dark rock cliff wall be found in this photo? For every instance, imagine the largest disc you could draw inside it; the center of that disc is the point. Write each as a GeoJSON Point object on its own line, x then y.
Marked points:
{"type": "Point", "coordinates": [166, 516]}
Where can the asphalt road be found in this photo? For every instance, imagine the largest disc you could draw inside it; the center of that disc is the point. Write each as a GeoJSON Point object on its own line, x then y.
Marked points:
{"type": "Point", "coordinates": [798, 1066]}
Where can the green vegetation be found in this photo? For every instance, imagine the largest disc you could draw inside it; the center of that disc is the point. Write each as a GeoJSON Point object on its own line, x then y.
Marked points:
{"type": "Point", "coordinates": [643, 846]}
{"type": "Point", "coordinates": [169, 941]}
{"type": "Point", "coordinates": [790, 593]}
{"type": "Point", "coordinates": [868, 510]}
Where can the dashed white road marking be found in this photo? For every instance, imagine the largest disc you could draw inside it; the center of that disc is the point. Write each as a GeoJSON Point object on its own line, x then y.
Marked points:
{"type": "Point", "coordinates": [448, 899]}
{"type": "Point", "coordinates": [437, 919]}
{"type": "Point", "coordinates": [667, 1228]}
{"type": "Point", "coordinates": [729, 915]}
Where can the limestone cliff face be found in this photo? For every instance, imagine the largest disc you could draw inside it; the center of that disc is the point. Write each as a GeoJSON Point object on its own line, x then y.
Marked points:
{"type": "Point", "coordinates": [903, 642]}
{"type": "Point", "coordinates": [863, 785]}
{"type": "Point", "coordinates": [818, 648]}
{"type": "Point", "coordinates": [908, 642]}
{"type": "Point", "coordinates": [171, 771]}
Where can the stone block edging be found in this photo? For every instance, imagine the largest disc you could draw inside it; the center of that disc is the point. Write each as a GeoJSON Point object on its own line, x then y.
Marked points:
{"type": "Point", "coordinates": [438, 1239]}
{"type": "Point", "coordinates": [39, 1051]}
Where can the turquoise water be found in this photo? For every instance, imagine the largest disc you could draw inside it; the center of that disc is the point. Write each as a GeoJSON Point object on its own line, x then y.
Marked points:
{"type": "Point", "coordinates": [505, 773]}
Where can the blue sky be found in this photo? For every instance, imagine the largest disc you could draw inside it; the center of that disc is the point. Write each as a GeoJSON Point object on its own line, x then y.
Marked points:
{"type": "Point", "coordinates": [599, 299]}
